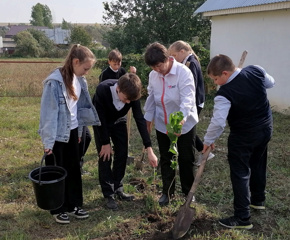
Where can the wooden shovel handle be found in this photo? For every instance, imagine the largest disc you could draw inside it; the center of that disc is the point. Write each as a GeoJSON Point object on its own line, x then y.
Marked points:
{"type": "Point", "coordinates": [242, 60]}
{"type": "Point", "coordinates": [197, 176]}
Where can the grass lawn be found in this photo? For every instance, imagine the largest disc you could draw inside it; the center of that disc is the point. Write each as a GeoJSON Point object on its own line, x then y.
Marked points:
{"type": "Point", "coordinates": [21, 151]}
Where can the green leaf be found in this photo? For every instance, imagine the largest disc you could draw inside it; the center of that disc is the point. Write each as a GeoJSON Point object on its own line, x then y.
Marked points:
{"type": "Point", "coordinates": [173, 164]}
{"type": "Point", "coordinates": [172, 128]}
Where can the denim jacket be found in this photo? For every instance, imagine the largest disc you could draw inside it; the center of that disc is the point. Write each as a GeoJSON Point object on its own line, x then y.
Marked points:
{"type": "Point", "coordinates": [55, 117]}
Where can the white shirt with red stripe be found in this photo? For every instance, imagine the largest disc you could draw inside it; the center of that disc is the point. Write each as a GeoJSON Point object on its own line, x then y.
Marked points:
{"type": "Point", "coordinates": [171, 93]}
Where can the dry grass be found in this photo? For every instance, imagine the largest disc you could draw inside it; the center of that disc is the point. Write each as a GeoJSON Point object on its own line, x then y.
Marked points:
{"type": "Point", "coordinates": [24, 79]}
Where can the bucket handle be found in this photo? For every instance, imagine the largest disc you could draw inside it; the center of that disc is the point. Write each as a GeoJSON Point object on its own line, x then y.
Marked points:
{"type": "Point", "coordinates": [44, 156]}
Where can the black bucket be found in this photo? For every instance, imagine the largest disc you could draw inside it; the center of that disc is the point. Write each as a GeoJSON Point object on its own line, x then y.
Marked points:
{"type": "Point", "coordinates": [49, 184]}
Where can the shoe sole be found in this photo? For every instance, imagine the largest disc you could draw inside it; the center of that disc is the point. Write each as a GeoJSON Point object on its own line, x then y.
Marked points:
{"type": "Point", "coordinates": [126, 199]}
{"type": "Point", "coordinates": [237, 227]}
{"type": "Point", "coordinates": [62, 222]}
{"type": "Point", "coordinates": [163, 204]}
{"type": "Point", "coordinates": [258, 207]}
{"type": "Point", "coordinates": [78, 217]}
{"type": "Point", "coordinates": [113, 209]}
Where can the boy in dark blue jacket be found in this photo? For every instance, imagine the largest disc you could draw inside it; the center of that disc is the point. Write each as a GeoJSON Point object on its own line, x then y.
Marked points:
{"type": "Point", "coordinates": [242, 101]}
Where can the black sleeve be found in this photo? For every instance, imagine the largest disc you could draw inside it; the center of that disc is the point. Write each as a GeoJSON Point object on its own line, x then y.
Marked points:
{"type": "Point", "coordinates": [141, 123]}
{"type": "Point", "coordinates": [122, 72]}
{"type": "Point", "coordinates": [103, 76]}
{"type": "Point", "coordinates": [193, 69]}
{"type": "Point", "coordinates": [99, 100]}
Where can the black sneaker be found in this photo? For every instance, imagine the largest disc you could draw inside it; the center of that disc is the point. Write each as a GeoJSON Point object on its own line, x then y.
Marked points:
{"type": "Point", "coordinates": [163, 200]}
{"type": "Point", "coordinates": [124, 196]}
{"type": "Point", "coordinates": [61, 218]}
{"type": "Point", "coordinates": [235, 222]}
{"type": "Point", "coordinates": [258, 205]}
{"type": "Point", "coordinates": [111, 204]}
{"type": "Point", "coordinates": [79, 213]}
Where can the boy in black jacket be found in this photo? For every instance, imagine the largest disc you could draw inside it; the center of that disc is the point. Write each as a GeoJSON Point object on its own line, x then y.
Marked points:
{"type": "Point", "coordinates": [112, 100]}
{"type": "Point", "coordinates": [114, 70]}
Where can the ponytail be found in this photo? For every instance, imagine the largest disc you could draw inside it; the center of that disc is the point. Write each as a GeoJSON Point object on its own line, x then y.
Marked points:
{"type": "Point", "coordinates": [83, 54]}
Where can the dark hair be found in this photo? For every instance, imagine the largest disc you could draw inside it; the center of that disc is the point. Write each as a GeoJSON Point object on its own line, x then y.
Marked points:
{"type": "Point", "coordinates": [115, 55]}
{"type": "Point", "coordinates": [156, 53]}
{"type": "Point", "coordinates": [130, 85]}
{"type": "Point", "coordinates": [83, 54]}
{"type": "Point", "coordinates": [220, 63]}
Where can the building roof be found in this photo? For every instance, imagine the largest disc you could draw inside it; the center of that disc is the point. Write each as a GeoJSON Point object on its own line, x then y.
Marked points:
{"type": "Point", "coordinates": [16, 29]}
{"type": "Point", "coordinates": [58, 35]}
{"type": "Point", "coordinates": [217, 5]}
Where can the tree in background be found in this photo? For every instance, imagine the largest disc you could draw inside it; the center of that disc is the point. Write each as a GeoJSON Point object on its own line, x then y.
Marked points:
{"type": "Point", "coordinates": [3, 31]}
{"type": "Point", "coordinates": [96, 31]}
{"type": "Point", "coordinates": [81, 36]}
{"type": "Point", "coordinates": [66, 25]}
{"type": "Point", "coordinates": [41, 16]}
{"type": "Point", "coordinates": [44, 42]}
{"type": "Point", "coordinates": [136, 23]}
{"type": "Point", "coordinates": [26, 45]}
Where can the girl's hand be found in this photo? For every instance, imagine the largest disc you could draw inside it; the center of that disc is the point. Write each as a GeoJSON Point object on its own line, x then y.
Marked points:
{"type": "Point", "coordinates": [48, 151]}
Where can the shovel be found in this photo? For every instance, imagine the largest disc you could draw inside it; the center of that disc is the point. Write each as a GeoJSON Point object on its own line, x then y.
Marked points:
{"type": "Point", "coordinates": [186, 213]}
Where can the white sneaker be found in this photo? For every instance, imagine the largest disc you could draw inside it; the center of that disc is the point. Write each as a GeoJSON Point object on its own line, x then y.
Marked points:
{"type": "Point", "coordinates": [61, 218]}
{"type": "Point", "coordinates": [199, 159]}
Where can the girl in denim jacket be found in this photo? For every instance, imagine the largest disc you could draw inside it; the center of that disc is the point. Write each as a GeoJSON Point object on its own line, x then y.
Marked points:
{"type": "Point", "coordinates": [66, 108]}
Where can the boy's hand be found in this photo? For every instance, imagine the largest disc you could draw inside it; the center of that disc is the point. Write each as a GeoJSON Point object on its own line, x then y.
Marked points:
{"type": "Point", "coordinates": [153, 160]}
{"type": "Point", "coordinates": [205, 147]}
{"type": "Point", "coordinates": [106, 152]}
{"type": "Point", "coordinates": [133, 69]}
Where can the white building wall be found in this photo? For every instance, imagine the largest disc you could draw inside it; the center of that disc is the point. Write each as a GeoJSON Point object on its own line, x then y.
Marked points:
{"type": "Point", "coordinates": [266, 37]}
{"type": "Point", "coordinates": [1, 44]}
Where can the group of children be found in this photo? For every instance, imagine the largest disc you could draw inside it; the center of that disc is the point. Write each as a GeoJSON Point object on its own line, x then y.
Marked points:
{"type": "Point", "coordinates": [175, 84]}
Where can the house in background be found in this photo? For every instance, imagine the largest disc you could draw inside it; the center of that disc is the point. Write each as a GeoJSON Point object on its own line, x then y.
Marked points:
{"type": "Point", "coordinates": [9, 44]}
{"type": "Point", "coordinates": [57, 35]}
{"type": "Point", "coordinates": [14, 29]}
{"type": "Point", "coordinates": [262, 28]}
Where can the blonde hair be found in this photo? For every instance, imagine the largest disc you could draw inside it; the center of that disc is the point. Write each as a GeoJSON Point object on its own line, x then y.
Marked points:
{"type": "Point", "coordinates": [83, 54]}
{"type": "Point", "coordinates": [181, 45]}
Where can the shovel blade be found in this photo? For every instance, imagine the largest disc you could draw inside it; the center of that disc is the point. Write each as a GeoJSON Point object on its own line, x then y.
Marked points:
{"type": "Point", "coordinates": [183, 221]}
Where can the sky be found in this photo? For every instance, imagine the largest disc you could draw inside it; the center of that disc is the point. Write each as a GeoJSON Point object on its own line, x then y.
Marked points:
{"type": "Point", "coordinates": [73, 11]}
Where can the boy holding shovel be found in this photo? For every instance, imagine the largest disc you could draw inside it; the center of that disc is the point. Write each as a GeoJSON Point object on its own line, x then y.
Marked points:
{"type": "Point", "coordinates": [242, 101]}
